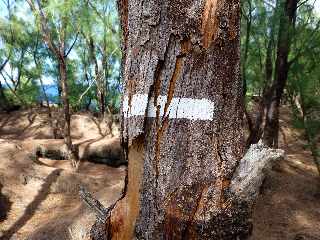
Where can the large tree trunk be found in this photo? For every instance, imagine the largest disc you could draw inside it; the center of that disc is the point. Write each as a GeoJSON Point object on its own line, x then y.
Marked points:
{"type": "Point", "coordinates": [182, 119]}
{"type": "Point", "coordinates": [182, 111]}
{"type": "Point", "coordinates": [287, 23]}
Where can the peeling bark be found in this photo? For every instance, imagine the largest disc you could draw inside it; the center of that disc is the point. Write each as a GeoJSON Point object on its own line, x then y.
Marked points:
{"type": "Point", "coordinates": [181, 157]}
{"type": "Point", "coordinates": [252, 170]}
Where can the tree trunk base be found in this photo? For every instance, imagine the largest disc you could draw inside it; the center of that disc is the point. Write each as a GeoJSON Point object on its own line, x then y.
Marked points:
{"type": "Point", "coordinates": [232, 220]}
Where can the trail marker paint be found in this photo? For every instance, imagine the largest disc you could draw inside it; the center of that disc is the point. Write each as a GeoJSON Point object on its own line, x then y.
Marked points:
{"type": "Point", "coordinates": [181, 108]}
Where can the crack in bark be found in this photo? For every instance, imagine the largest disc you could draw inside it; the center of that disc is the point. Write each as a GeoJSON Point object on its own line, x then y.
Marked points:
{"type": "Point", "coordinates": [221, 182]}
{"type": "Point", "coordinates": [157, 82]}
{"type": "Point", "coordinates": [188, 230]}
{"type": "Point", "coordinates": [185, 48]}
{"type": "Point", "coordinates": [172, 83]}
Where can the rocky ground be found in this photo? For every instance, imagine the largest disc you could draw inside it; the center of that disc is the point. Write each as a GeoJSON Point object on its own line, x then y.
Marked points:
{"type": "Point", "coordinates": [40, 199]}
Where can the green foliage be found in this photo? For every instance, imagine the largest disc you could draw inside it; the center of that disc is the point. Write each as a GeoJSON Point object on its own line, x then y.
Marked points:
{"type": "Point", "coordinates": [28, 93]}
{"type": "Point", "coordinates": [260, 35]}
{"type": "Point", "coordinates": [31, 61]}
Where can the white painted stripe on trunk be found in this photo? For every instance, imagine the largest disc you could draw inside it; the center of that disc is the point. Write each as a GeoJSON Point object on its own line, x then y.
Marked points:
{"type": "Point", "coordinates": [185, 108]}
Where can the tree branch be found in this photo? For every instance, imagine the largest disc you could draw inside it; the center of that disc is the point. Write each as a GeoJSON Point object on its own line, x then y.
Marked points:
{"type": "Point", "coordinates": [252, 170]}
{"type": "Point", "coordinates": [93, 204]}
{"type": "Point", "coordinates": [72, 45]}
{"type": "Point", "coordinates": [43, 21]}
{"type": "Point", "coordinates": [4, 64]}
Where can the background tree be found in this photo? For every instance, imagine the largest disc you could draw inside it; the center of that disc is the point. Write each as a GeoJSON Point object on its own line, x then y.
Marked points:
{"type": "Point", "coordinates": [103, 49]}
{"type": "Point", "coordinates": [56, 38]}
{"type": "Point", "coordinates": [282, 65]}
{"type": "Point", "coordinates": [286, 23]}
{"type": "Point", "coordinates": [19, 31]}
{"type": "Point", "coordinates": [303, 91]}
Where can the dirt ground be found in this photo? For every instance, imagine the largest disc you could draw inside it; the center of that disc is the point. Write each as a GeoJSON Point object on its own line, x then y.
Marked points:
{"type": "Point", "coordinates": [289, 206]}
{"type": "Point", "coordinates": [40, 197]}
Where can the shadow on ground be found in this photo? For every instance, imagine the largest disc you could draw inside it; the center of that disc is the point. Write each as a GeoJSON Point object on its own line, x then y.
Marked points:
{"type": "Point", "coordinates": [32, 207]}
{"type": "Point", "coordinates": [5, 205]}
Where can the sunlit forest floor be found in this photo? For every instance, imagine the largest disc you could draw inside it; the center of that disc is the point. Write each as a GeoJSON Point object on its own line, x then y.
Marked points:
{"type": "Point", "coordinates": [289, 206]}
{"type": "Point", "coordinates": [40, 196]}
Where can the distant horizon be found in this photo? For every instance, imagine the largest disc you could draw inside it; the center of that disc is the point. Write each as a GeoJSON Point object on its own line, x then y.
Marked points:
{"type": "Point", "coordinates": [50, 89]}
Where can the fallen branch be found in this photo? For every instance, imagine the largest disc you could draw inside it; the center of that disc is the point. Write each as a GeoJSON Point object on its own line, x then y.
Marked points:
{"type": "Point", "coordinates": [93, 204]}
{"type": "Point", "coordinates": [102, 213]}
{"type": "Point", "coordinates": [252, 170]}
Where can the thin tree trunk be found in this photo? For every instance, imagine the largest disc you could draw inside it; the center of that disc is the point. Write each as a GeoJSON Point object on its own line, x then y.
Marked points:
{"type": "Point", "coordinates": [98, 78]}
{"type": "Point", "coordinates": [13, 91]}
{"type": "Point", "coordinates": [182, 114]}
{"type": "Point", "coordinates": [66, 108]}
{"type": "Point", "coordinates": [255, 119]}
{"type": "Point", "coordinates": [102, 103]}
{"type": "Point", "coordinates": [256, 126]}
{"type": "Point", "coordinates": [59, 51]}
{"type": "Point", "coordinates": [246, 49]}
{"type": "Point", "coordinates": [49, 112]}
{"type": "Point", "coordinates": [3, 99]}
{"type": "Point", "coordinates": [287, 23]}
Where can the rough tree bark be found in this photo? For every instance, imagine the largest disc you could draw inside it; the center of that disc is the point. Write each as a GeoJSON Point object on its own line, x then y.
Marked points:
{"type": "Point", "coordinates": [182, 115]}
{"type": "Point", "coordinates": [287, 23]}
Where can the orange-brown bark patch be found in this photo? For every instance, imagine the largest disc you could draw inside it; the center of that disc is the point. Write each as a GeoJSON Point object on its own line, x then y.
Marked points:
{"type": "Point", "coordinates": [172, 84]}
{"type": "Point", "coordinates": [160, 132]}
{"type": "Point", "coordinates": [131, 89]}
{"type": "Point", "coordinates": [186, 45]}
{"type": "Point", "coordinates": [157, 81]}
{"type": "Point", "coordinates": [233, 30]}
{"type": "Point", "coordinates": [180, 211]}
{"type": "Point", "coordinates": [209, 22]}
{"type": "Point", "coordinates": [125, 214]}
